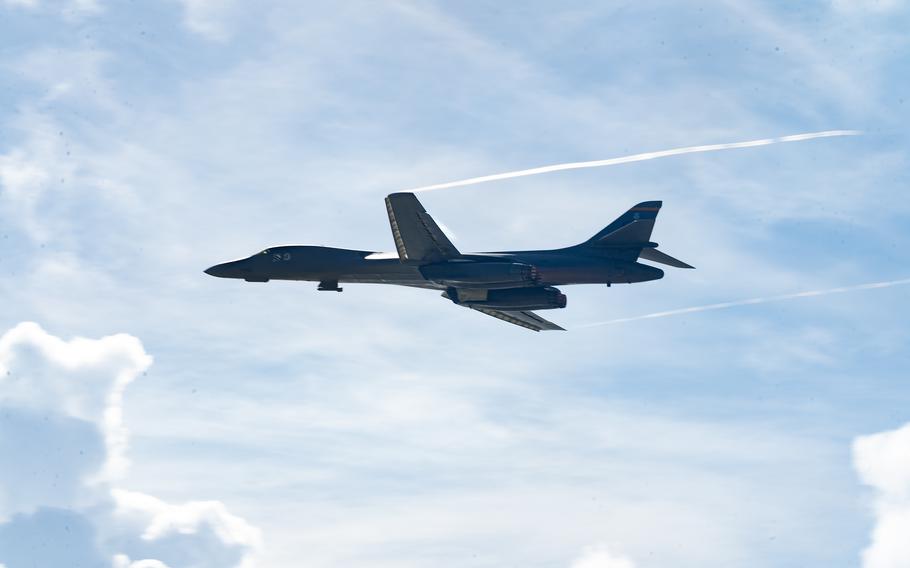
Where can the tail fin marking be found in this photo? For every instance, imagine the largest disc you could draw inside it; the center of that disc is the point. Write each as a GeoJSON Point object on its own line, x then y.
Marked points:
{"type": "Point", "coordinates": [633, 226]}
{"type": "Point", "coordinates": [629, 236]}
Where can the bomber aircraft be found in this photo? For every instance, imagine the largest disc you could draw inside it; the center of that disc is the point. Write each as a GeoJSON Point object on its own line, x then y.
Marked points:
{"type": "Point", "coordinates": [505, 285]}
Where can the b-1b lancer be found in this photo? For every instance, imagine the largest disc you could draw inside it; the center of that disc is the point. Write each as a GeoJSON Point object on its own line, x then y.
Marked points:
{"type": "Point", "coordinates": [505, 285]}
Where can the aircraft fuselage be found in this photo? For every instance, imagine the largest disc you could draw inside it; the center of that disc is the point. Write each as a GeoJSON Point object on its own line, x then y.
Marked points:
{"type": "Point", "coordinates": [508, 286]}
{"type": "Point", "coordinates": [488, 270]}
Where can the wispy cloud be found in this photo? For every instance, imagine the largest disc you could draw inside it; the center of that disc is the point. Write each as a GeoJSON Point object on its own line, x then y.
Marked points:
{"type": "Point", "coordinates": [22, 3]}
{"type": "Point", "coordinates": [208, 18]}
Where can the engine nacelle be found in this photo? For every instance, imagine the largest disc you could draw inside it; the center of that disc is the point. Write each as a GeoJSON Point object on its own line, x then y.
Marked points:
{"type": "Point", "coordinates": [540, 298]}
{"type": "Point", "coordinates": [482, 274]}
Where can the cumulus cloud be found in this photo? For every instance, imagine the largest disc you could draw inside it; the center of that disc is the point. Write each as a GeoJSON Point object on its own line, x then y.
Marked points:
{"type": "Point", "coordinates": [79, 380]}
{"type": "Point", "coordinates": [601, 557]}
{"type": "Point", "coordinates": [198, 533]}
{"type": "Point", "coordinates": [883, 462]}
{"type": "Point", "coordinates": [123, 561]}
{"type": "Point", "coordinates": [63, 443]}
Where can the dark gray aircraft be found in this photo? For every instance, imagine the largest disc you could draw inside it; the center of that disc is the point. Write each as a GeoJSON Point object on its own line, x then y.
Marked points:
{"type": "Point", "coordinates": [505, 285]}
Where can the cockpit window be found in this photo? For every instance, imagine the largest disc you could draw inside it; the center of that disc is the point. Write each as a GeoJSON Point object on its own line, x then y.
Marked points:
{"type": "Point", "coordinates": [266, 251]}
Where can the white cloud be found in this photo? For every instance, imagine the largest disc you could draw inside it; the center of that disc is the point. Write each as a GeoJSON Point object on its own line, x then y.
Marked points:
{"type": "Point", "coordinates": [36, 175]}
{"type": "Point", "coordinates": [82, 379]}
{"type": "Point", "coordinates": [67, 75]}
{"type": "Point", "coordinates": [22, 181]}
{"type": "Point", "coordinates": [880, 6]}
{"type": "Point", "coordinates": [24, 4]}
{"type": "Point", "coordinates": [883, 462]}
{"type": "Point", "coordinates": [162, 519]}
{"type": "Point", "coordinates": [72, 10]}
{"type": "Point", "coordinates": [123, 561]}
{"type": "Point", "coordinates": [601, 557]}
{"type": "Point", "coordinates": [63, 442]}
{"type": "Point", "coordinates": [86, 6]}
{"type": "Point", "coordinates": [208, 18]}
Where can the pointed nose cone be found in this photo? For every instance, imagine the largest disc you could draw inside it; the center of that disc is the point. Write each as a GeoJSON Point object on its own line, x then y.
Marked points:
{"type": "Point", "coordinates": [243, 269]}
{"type": "Point", "coordinates": [226, 269]}
{"type": "Point", "coordinates": [216, 270]}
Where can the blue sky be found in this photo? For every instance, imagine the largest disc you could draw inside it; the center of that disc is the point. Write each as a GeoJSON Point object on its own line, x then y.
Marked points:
{"type": "Point", "coordinates": [273, 425]}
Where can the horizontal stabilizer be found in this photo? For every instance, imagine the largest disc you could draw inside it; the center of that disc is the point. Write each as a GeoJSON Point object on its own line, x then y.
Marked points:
{"type": "Point", "coordinates": [655, 255]}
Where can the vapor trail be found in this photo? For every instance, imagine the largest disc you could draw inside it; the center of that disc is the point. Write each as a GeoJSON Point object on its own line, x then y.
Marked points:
{"type": "Point", "coordinates": [750, 301]}
{"type": "Point", "coordinates": [639, 158]}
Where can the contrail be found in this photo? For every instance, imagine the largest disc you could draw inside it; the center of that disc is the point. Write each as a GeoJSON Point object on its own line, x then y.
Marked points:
{"type": "Point", "coordinates": [751, 301]}
{"type": "Point", "coordinates": [639, 158]}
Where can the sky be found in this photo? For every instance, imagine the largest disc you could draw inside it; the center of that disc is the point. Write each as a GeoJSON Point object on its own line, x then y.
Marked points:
{"type": "Point", "coordinates": [152, 416]}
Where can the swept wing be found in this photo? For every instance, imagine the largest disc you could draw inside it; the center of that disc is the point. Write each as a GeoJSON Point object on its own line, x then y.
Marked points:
{"type": "Point", "coordinates": [417, 236]}
{"type": "Point", "coordinates": [529, 320]}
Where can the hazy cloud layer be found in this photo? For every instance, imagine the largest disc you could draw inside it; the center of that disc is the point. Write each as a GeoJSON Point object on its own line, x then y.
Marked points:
{"type": "Point", "coordinates": [143, 142]}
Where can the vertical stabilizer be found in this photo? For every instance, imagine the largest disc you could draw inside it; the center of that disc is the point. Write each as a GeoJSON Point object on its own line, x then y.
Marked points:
{"type": "Point", "coordinates": [629, 237]}
{"type": "Point", "coordinates": [632, 227]}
